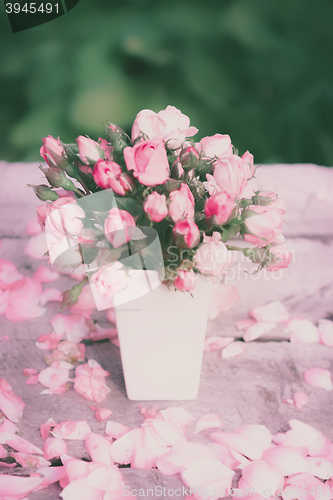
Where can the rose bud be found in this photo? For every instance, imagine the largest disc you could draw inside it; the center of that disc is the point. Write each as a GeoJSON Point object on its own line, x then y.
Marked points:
{"type": "Point", "coordinates": [89, 150]}
{"type": "Point", "coordinates": [44, 193]}
{"type": "Point", "coordinates": [186, 234]}
{"type": "Point", "coordinates": [119, 227]}
{"type": "Point", "coordinates": [71, 297]}
{"type": "Point", "coordinates": [181, 204]}
{"type": "Point", "coordinates": [155, 207]}
{"type": "Point", "coordinates": [218, 208]}
{"type": "Point", "coordinates": [189, 158]}
{"type": "Point", "coordinates": [108, 174]}
{"type": "Point", "coordinates": [57, 178]}
{"type": "Point", "coordinates": [52, 151]}
{"type": "Point", "coordinates": [149, 162]}
{"type": "Point", "coordinates": [176, 170]}
{"type": "Point", "coordinates": [186, 280]}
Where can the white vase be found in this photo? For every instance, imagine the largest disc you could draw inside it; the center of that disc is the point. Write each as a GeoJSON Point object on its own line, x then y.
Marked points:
{"type": "Point", "coordinates": [161, 337]}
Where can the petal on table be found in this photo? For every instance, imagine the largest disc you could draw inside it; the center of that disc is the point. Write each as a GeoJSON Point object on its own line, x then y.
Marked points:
{"type": "Point", "coordinates": [274, 312]}
{"type": "Point", "coordinates": [325, 330]}
{"type": "Point", "coordinates": [175, 415]}
{"type": "Point", "coordinates": [208, 421]}
{"type": "Point", "coordinates": [116, 430]}
{"type": "Point", "coordinates": [300, 399]}
{"type": "Point", "coordinates": [18, 486]}
{"type": "Point", "coordinates": [98, 448]}
{"type": "Point", "coordinates": [259, 433]}
{"type": "Point", "coordinates": [46, 275]}
{"type": "Point", "coordinates": [10, 404]}
{"type": "Point", "coordinates": [50, 294]}
{"type": "Point", "coordinates": [54, 448]}
{"type": "Point", "coordinates": [19, 444]}
{"type": "Point", "coordinates": [101, 413]}
{"type": "Point", "coordinates": [319, 467]}
{"type": "Point", "coordinates": [106, 478]}
{"type": "Point", "coordinates": [257, 330]}
{"type": "Point", "coordinates": [265, 479]}
{"type": "Point", "coordinates": [287, 459]}
{"type": "Point", "coordinates": [243, 444]}
{"type": "Point", "coordinates": [29, 460]}
{"type": "Point", "coordinates": [71, 430]}
{"type": "Point", "coordinates": [234, 349]}
{"type": "Point", "coordinates": [206, 474]}
{"type": "Point", "coordinates": [216, 343]}
{"type": "Point", "coordinates": [318, 377]}
{"type": "Point", "coordinates": [78, 489]}
{"type": "Point", "coordinates": [302, 331]}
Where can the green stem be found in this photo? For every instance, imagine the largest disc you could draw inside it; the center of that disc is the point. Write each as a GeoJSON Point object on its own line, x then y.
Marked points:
{"type": "Point", "coordinates": [83, 185]}
{"type": "Point", "coordinates": [236, 249]}
{"type": "Point", "coordinates": [78, 192]}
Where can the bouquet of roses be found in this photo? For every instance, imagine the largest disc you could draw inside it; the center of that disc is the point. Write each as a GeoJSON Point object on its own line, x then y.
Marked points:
{"type": "Point", "coordinates": [110, 201]}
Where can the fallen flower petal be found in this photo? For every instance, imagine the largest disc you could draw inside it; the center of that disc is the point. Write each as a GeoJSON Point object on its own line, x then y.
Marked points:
{"type": "Point", "coordinates": [34, 379]}
{"type": "Point", "coordinates": [71, 430]}
{"type": "Point", "coordinates": [325, 330]}
{"type": "Point", "coordinates": [116, 430]}
{"type": "Point", "coordinates": [259, 433]}
{"type": "Point", "coordinates": [101, 413]}
{"type": "Point", "coordinates": [287, 459]}
{"type": "Point", "coordinates": [10, 405]}
{"type": "Point", "coordinates": [234, 349]}
{"type": "Point", "coordinates": [90, 381]}
{"type": "Point", "coordinates": [257, 330]}
{"type": "Point", "coordinates": [45, 275]}
{"type": "Point", "coordinates": [302, 330]}
{"type": "Point", "coordinates": [3, 452]}
{"type": "Point", "coordinates": [23, 300]}
{"type": "Point", "coordinates": [244, 324]}
{"type": "Point", "coordinates": [149, 412]}
{"type": "Point", "coordinates": [106, 478]}
{"type": "Point", "coordinates": [79, 489]}
{"type": "Point", "coordinates": [318, 377]}
{"type": "Point", "coordinates": [319, 467]}
{"type": "Point", "coordinates": [223, 298]}
{"type": "Point", "coordinates": [123, 449]}
{"type": "Point", "coordinates": [216, 343]}
{"type": "Point", "coordinates": [29, 371]}
{"type": "Point", "coordinates": [265, 479]}
{"type": "Point", "coordinates": [54, 378]}
{"type": "Point", "coordinates": [8, 426]}
{"type": "Point", "coordinates": [54, 448]}
{"type": "Point", "coordinates": [50, 294]}
{"type": "Point", "coordinates": [274, 312]}
{"type": "Point", "coordinates": [205, 474]}
{"type": "Point", "coordinates": [209, 421]}
{"type": "Point", "coordinates": [48, 341]}
{"type": "Point", "coordinates": [98, 448]}
{"type": "Point", "coordinates": [30, 461]}
{"type": "Point", "coordinates": [175, 415]}
{"type": "Point", "coordinates": [300, 399]}
{"type": "Point", "coordinates": [17, 487]}
{"type": "Point", "coordinates": [18, 443]}
{"type": "Point", "coordinates": [4, 338]}
{"type": "Point", "coordinates": [243, 444]}
{"type": "Point", "coordinates": [304, 435]}
{"type": "Point", "coordinates": [45, 428]}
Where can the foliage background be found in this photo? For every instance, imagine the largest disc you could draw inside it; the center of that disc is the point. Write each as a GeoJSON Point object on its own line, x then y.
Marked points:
{"type": "Point", "coordinates": [256, 69]}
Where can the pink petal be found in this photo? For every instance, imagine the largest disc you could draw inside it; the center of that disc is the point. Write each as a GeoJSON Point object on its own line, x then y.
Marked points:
{"type": "Point", "coordinates": [78, 489]}
{"type": "Point", "coordinates": [218, 452]}
{"type": "Point", "coordinates": [49, 295]}
{"type": "Point", "coordinates": [33, 227]}
{"type": "Point", "coordinates": [18, 443]}
{"type": "Point", "coordinates": [325, 330]}
{"type": "Point", "coordinates": [29, 371]}
{"type": "Point", "coordinates": [169, 432]}
{"type": "Point", "coordinates": [4, 338]}
{"type": "Point", "coordinates": [243, 444]}
{"type": "Point", "coordinates": [300, 399]}
{"type": "Point", "coordinates": [115, 430]}
{"type": "Point", "coordinates": [3, 452]}
{"type": "Point", "coordinates": [86, 303]}
{"type": "Point", "coordinates": [216, 343]}
{"type": "Point", "coordinates": [244, 324]}
{"type": "Point", "coordinates": [257, 330]}
{"type": "Point", "coordinates": [4, 300]}
{"type": "Point", "coordinates": [143, 458]}
{"type": "Point", "coordinates": [122, 451]}
{"type": "Point", "coordinates": [71, 430]}
{"type": "Point", "coordinates": [175, 415]}
{"type": "Point", "coordinates": [172, 462]}
{"type": "Point", "coordinates": [288, 401]}
{"type": "Point", "coordinates": [223, 297]}
{"type": "Point", "coordinates": [34, 379]}
{"type": "Point", "coordinates": [30, 461]}
{"type": "Point", "coordinates": [305, 435]}
{"type": "Point", "coordinates": [211, 420]}
{"type": "Point", "coordinates": [288, 460]}
{"type": "Point", "coordinates": [8, 426]}
{"type": "Point", "coordinates": [90, 381]}
{"type": "Point", "coordinates": [101, 413]}
{"type": "Point", "coordinates": [304, 487]}
{"type": "Point", "coordinates": [204, 474]}
{"type": "Point", "coordinates": [10, 405]}
{"type": "Point", "coordinates": [100, 333]}
{"type": "Point", "coordinates": [234, 349]}
{"type": "Point", "coordinates": [54, 448]}
{"type": "Point", "coordinates": [17, 486]}
{"type": "Point", "coordinates": [274, 312]}
{"type": "Point", "coordinates": [53, 378]}
{"type": "Point", "coordinates": [45, 428]}
{"type": "Point", "coordinates": [302, 330]}
{"type": "Point", "coordinates": [318, 377]}
{"type": "Point", "coordinates": [98, 448]}
{"type": "Point", "coordinates": [23, 301]}
{"type": "Point", "coordinates": [149, 412]}
{"type": "Point", "coordinates": [48, 341]}
{"type": "Point", "coordinates": [50, 475]}
{"type": "Point", "coordinates": [319, 467]}
{"type": "Point", "coordinates": [259, 433]}
{"type": "Point", "coordinates": [45, 274]}
{"type": "Point", "coordinates": [111, 315]}
{"type": "Point", "coordinates": [37, 246]}
{"type": "Point", "coordinates": [106, 478]}
{"type": "Point", "coordinates": [265, 479]}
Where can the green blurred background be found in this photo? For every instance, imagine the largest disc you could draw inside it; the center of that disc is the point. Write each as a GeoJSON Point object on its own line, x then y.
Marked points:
{"type": "Point", "coordinates": [259, 70]}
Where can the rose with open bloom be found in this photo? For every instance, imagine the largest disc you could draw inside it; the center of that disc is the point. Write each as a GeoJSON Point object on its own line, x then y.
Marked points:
{"type": "Point", "coordinates": [186, 234]}
{"type": "Point", "coordinates": [186, 280]}
{"type": "Point", "coordinates": [108, 174]}
{"type": "Point", "coordinates": [212, 256]}
{"type": "Point", "coordinates": [216, 145]}
{"type": "Point", "coordinates": [119, 227]}
{"type": "Point", "coordinates": [149, 162]}
{"type": "Point", "coordinates": [63, 217]}
{"type": "Point", "coordinates": [170, 125]}
{"type": "Point", "coordinates": [155, 207]}
{"type": "Point", "coordinates": [219, 207]}
{"type": "Point", "coordinates": [263, 224]}
{"type": "Point", "coordinates": [51, 149]}
{"type": "Point", "coordinates": [231, 174]}
{"type": "Point", "coordinates": [181, 205]}
{"type": "Point", "coordinates": [110, 279]}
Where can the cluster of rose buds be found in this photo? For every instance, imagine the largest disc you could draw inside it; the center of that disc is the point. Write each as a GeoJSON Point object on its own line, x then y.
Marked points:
{"type": "Point", "coordinates": [196, 195]}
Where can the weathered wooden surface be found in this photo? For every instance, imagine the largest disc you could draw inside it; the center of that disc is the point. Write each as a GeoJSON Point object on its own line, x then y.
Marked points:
{"type": "Point", "coordinates": [245, 389]}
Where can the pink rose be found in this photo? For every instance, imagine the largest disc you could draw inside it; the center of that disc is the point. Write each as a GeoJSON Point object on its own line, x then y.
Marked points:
{"type": "Point", "coordinates": [182, 204]}
{"type": "Point", "coordinates": [186, 280]}
{"type": "Point", "coordinates": [264, 223]}
{"type": "Point", "coordinates": [216, 145]}
{"type": "Point", "coordinates": [186, 234]}
{"type": "Point", "coordinates": [149, 162]}
{"type": "Point", "coordinates": [211, 185]}
{"type": "Point", "coordinates": [108, 174]}
{"type": "Point", "coordinates": [272, 201]}
{"type": "Point", "coordinates": [41, 214]}
{"type": "Point", "coordinates": [189, 158]}
{"type": "Point", "coordinates": [170, 125]}
{"type": "Point", "coordinates": [119, 227]}
{"type": "Point", "coordinates": [218, 208]}
{"type": "Point", "coordinates": [247, 157]}
{"type": "Point", "coordinates": [63, 217]}
{"type": "Point", "coordinates": [281, 257]}
{"type": "Point", "coordinates": [212, 256]}
{"type": "Point", "coordinates": [155, 207]}
{"type": "Point", "coordinates": [50, 146]}
{"type": "Point", "coordinates": [231, 175]}
{"type": "Point", "coordinates": [110, 279]}
{"type": "Point", "coordinates": [89, 150]}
